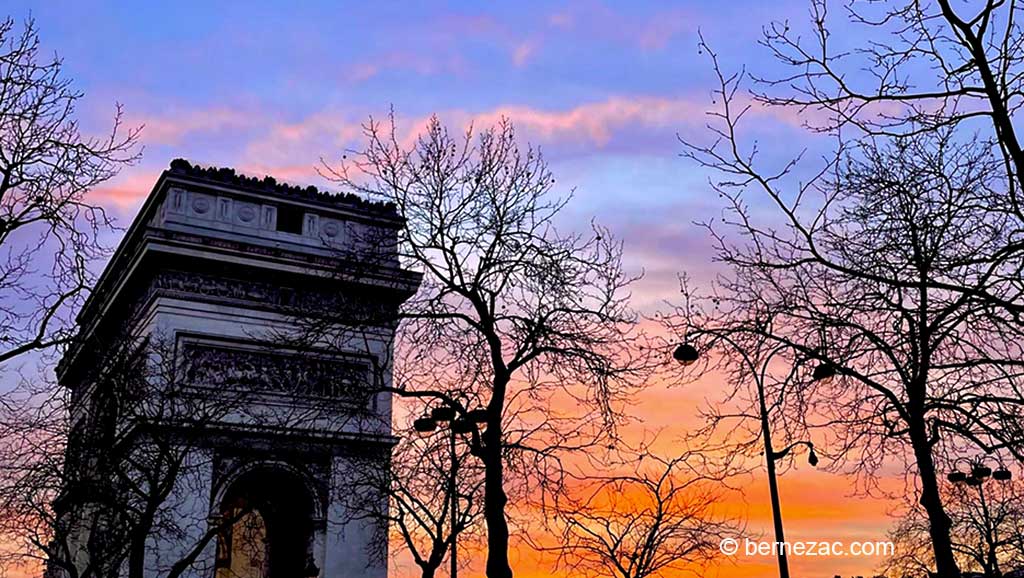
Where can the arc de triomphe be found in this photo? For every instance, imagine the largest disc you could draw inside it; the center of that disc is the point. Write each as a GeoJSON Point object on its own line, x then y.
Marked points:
{"type": "Point", "coordinates": [216, 267]}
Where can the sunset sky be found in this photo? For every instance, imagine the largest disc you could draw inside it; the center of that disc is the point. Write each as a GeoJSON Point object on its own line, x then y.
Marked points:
{"type": "Point", "coordinates": [604, 89]}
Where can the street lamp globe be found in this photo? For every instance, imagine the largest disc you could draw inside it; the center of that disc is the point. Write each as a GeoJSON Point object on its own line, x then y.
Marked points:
{"type": "Point", "coordinates": [685, 354]}
{"type": "Point", "coordinates": [443, 413]}
{"type": "Point", "coordinates": [478, 415]}
{"type": "Point", "coordinates": [824, 372]}
{"type": "Point", "coordinates": [424, 426]}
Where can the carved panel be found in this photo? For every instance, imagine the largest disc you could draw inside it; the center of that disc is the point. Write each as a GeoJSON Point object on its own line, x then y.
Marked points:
{"type": "Point", "coordinates": [201, 204]}
{"type": "Point", "coordinates": [243, 369]}
{"type": "Point", "coordinates": [311, 225]}
{"type": "Point", "coordinates": [247, 213]}
{"type": "Point", "coordinates": [304, 300]}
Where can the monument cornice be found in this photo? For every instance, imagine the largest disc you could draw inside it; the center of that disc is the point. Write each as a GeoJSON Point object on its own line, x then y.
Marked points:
{"type": "Point", "coordinates": [147, 240]}
{"type": "Point", "coordinates": [228, 179]}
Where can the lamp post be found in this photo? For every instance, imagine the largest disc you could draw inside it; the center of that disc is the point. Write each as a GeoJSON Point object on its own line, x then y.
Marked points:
{"type": "Point", "coordinates": [425, 426]}
{"type": "Point", "coordinates": [686, 354]}
{"type": "Point", "coordinates": [979, 472]}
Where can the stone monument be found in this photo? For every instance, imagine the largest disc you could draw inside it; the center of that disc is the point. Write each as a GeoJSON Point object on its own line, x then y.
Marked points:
{"type": "Point", "coordinates": [218, 266]}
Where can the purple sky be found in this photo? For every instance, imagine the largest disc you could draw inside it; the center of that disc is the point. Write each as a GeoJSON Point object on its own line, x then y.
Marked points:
{"type": "Point", "coordinates": [602, 88]}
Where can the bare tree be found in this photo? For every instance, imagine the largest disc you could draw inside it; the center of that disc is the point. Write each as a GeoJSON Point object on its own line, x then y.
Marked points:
{"type": "Point", "coordinates": [923, 66]}
{"type": "Point", "coordinates": [49, 230]}
{"type": "Point", "coordinates": [511, 314]}
{"type": "Point", "coordinates": [32, 425]}
{"type": "Point", "coordinates": [759, 418]}
{"type": "Point", "coordinates": [658, 518]}
{"type": "Point", "coordinates": [926, 66]}
{"type": "Point", "coordinates": [949, 70]}
{"type": "Point", "coordinates": [987, 531]}
{"type": "Point", "coordinates": [876, 268]}
{"type": "Point", "coordinates": [432, 496]}
{"type": "Point", "coordinates": [88, 474]}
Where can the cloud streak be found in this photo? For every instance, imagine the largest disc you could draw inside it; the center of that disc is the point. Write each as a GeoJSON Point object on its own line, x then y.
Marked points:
{"type": "Point", "coordinates": [171, 128]}
{"type": "Point", "coordinates": [632, 123]}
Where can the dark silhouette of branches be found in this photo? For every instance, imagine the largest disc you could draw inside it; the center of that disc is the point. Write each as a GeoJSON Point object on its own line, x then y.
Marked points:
{"type": "Point", "coordinates": [877, 265]}
{"type": "Point", "coordinates": [919, 67]}
{"type": "Point", "coordinates": [657, 518]}
{"type": "Point", "coordinates": [417, 496]}
{"type": "Point", "coordinates": [45, 478]}
{"type": "Point", "coordinates": [750, 363]}
{"type": "Point", "coordinates": [511, 314]}
{"type": "Point", "coordinates": [987, 531]}
{"type": "Point", "coordinates": [49, 231]}
{"type": "Point", "coordinates": [925, 66]}
{"type": "Point", "coordinates": [91, 475]}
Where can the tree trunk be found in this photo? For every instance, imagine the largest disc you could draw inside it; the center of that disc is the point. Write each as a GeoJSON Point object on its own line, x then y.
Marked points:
{"type": "Point", "coordinates": [137, 559]}
{"type": "Point", "coordinates": [494, 504]}
{"type": "Point", "coordinates": [939, 523]}
{"type": "Point", "coordinates": [139, 536]}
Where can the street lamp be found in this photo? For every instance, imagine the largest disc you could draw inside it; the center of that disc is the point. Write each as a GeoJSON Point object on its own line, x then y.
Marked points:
{"type": "Point", "coordinates": [424, 425]}
{"type": "Point", "coordinates": [979, 473]}
{"type": "Point", "coordinates": [443, 413]}
{"type": "Point", "coordinates": [687, 355]}
{"type": "Point", "coordinates": [812, 458]}
{"type": "Point", "coordinates": [824, 372]}
{"type": "Point", "coordinates": [427, 425]}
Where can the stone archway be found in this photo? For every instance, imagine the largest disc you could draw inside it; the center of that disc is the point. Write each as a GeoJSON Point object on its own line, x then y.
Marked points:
{"type": "Point", "coordinates": [273, 531]}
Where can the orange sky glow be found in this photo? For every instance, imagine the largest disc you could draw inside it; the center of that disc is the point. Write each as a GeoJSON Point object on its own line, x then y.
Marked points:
{"type": "Point", "coordinates": [604, 89]}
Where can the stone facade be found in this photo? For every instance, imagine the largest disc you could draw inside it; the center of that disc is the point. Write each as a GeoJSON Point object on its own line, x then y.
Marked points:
{"type": "Point", "coordinates": [220, 269]}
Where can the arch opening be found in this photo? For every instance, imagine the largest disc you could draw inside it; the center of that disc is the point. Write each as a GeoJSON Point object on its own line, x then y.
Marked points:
{"type": "Point", "coordinates": [271, 529]}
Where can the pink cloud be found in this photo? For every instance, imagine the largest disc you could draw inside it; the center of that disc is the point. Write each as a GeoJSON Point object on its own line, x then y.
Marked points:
{"type": "Point", "coordinates": [292, 149]}
{"type": "Point", "coordinates": [301, 174]}
{"type": "Point", "coordinates": [602, 20]}
{"type": "Point", "coordinates": [596, 122]}
{"type": "Point", "coordinates": [442, 48]}
{"type": "Point", "coordinates": [302, 141]}
{"type": "Point", "coordinates": [422, 64]}
{"type": "Point", "coordinates": [333, 126]}
{"type": "Point", "coordinates": [125, 191]}
{"type": "Point", "coordinates": [522, 53]}
{"type": "Point", "coordinates": [363, 71]}
{"type": "Point", "coordinates": [172, 127]}
{"type": "Point", "coordinates": [486, 27]}
{"type": "Point", "coordinates": [472, 24]}
{"type": "Point", "coordinates": [656, 33]}
{"type": "Point", "coordinates": [562, 20]}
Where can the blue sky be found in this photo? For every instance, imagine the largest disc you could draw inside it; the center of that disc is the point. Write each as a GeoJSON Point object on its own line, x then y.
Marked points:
{"type": "Point", "coordinates": [266, 87]}
{"type": "Point", "coordinates": [603, 88]}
